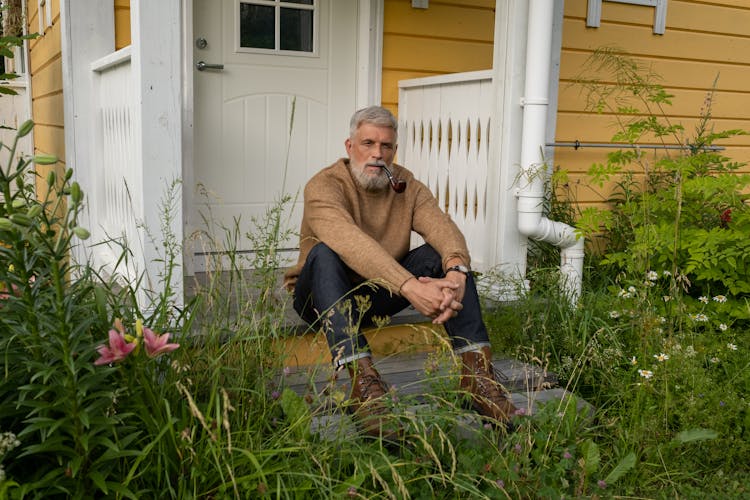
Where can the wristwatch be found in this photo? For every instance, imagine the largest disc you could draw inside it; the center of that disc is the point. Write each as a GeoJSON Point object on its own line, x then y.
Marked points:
{"type": "Point", "coordinates": [459, 268]}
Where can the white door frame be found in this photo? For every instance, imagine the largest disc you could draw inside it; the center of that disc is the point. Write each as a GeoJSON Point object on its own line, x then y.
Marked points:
{"type": "Point", "coordinates": [368, 91]}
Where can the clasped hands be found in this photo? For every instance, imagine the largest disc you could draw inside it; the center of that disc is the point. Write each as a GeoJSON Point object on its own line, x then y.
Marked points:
{"type": "Point", "coordinates": [438, 298]}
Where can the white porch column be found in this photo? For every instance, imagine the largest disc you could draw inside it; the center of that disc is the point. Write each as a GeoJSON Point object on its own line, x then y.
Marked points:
{"type": "Point", "coordinates": [506, 246]}
{"type": "Point", "coordinates": [157, 71]}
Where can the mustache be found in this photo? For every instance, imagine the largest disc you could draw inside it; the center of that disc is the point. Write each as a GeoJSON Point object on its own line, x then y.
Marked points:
{"type": "Point", "coordinates": [398, 185]}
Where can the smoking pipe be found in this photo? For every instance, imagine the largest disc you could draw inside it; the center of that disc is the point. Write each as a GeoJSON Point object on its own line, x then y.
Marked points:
{"type": "Point", "coordinates": [398, 185]}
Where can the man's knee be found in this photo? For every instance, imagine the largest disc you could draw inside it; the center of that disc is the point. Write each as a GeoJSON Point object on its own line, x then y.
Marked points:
{"type": "Point", "coordinates": [426, 261]}
{"type": "Point", "coordinates": [322, 257]}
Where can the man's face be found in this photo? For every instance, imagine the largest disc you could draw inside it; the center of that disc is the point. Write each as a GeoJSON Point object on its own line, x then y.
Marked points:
{"type": "Point", "coordinates": [371, 145]}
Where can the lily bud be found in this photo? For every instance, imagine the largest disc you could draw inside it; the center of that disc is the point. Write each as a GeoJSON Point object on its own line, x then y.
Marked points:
{"type": "Point", "coordinates": [81, 232]}
{"type": "Point", "coordinates": [34, 211]}
{"type": "Point", "coordinates": [75, 193]}
{"type": "Point", "coordinates": [21, 219]}
{"type": "Point", "coordinates": [25, 128]}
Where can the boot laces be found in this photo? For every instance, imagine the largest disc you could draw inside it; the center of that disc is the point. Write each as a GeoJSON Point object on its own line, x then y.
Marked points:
{"type": "Point", "coordinates": [371, 386]}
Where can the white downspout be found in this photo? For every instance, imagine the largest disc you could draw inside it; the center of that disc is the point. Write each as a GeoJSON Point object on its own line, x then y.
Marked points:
{"type": "Point", "coordinates": [531, 195]}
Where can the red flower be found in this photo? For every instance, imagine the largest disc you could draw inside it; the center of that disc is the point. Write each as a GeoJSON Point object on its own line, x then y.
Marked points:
{"type": "Point", "coordinates": [157, 344]}
{"type": "Point", "coordinates": [726, 217]}
{"type": "Point", "coordinates": [118, 349]}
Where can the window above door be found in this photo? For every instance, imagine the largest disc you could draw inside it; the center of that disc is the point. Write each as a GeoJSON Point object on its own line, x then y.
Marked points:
{"type": "Point", "coordinates": [288, 27]}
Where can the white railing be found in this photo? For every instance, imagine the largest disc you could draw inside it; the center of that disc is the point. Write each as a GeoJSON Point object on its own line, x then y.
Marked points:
{"type": "Point", "coordinates": [117, 204]}
{"type": "Point", "coordinates": [444, 130]}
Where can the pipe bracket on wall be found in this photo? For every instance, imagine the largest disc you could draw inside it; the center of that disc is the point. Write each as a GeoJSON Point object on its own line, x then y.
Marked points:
{"type": "Point", "coordinates": [532, 101]}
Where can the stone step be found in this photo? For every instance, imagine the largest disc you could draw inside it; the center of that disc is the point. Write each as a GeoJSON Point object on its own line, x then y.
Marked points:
{"type": "Point", "coordinates": [415, 380]}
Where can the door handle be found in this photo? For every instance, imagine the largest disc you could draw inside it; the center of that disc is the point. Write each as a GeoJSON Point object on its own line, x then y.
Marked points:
{"type": "Point", "coordinates": [203, 66]}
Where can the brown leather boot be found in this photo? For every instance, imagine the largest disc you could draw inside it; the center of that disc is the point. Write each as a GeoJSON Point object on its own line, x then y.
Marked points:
{"type": "Point", "coordinates": [478, 379]}
{"type": "Point", "coordinates": [367, 405]}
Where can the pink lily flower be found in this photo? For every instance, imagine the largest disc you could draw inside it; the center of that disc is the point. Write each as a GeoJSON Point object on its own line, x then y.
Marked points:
{"type": "Point", "coordinates": [118, 349]}
{"type": "Point", "coordinates": [157, 344]}
{"type": "Point", "coordinates": [4, 295]}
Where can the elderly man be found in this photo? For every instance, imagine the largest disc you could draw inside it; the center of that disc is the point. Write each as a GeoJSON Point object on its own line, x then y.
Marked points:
{"type": "Point", "coordinates": [354, 241]}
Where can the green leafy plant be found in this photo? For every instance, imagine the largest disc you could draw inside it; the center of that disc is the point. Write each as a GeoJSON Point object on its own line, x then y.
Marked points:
{"type": "Point", "coordinates": [52, 396]}
{"type": "Point", "coordinates": [686, 212]}
{"type": "Point", "coordinates": [658, 342]}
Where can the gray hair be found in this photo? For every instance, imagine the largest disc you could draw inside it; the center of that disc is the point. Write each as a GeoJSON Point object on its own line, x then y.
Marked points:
{"type": "Point", "coordinates": [374, 115]}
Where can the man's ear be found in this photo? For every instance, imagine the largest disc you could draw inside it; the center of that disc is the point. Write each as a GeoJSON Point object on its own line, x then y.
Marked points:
{"type": "Point", "coordinates": [348, 146]}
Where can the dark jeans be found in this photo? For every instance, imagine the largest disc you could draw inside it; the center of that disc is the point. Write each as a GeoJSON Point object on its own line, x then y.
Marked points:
{"type": "Point", "coordinates": [325, 296]}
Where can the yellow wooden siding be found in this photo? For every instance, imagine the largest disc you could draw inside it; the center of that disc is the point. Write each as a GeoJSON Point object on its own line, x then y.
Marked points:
{"type": "Point", "coordinates": [702, 40]}
{"type": "Point", "coordinates": [122, 23]}
{"type": "Point", "coordinates": [45, 68]}
{"type": "Point", "coordinates": [450, 36]}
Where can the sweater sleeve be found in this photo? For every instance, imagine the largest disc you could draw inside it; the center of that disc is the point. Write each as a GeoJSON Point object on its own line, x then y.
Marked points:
{"type": "Point", "coordinates": [331, 220]}
{"type": "Point", "coordinates": [437, 228]}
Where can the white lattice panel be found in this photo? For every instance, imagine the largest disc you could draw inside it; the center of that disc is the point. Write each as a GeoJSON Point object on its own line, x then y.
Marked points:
{"type": "Point", "coordinates": [444, 125]}
{"type": "Point", "coordinates": [120, 206]}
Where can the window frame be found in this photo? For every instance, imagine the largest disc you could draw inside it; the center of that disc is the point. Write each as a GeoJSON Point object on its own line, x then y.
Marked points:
{"type": "Point", "coordinates": [594, 14]}
{"type": "Point", "coordinates": [44, 13]}
{"type": "Point", "coordinates": [278, 5]}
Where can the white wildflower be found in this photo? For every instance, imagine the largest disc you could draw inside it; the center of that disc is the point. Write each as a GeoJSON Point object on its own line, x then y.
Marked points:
{"type": "Point", "coordinates": [647, 374]}
{"type": "Point", "coordinates": [703, 299]}
{"type": "Point", "coordinates": [661, 357]}
{"type": "Point", "coordinates": [732, 347]}
{"type": "Point", "coordinates": [652, 276]}
{"type": "Point", "coordinates": [720, 299]}
{"type": "Point", "coordinates": [723, 327]}
{"type": "Point", "coordinates": [8, 441]}
{"type": "Point", "coordinates": [614, 314]}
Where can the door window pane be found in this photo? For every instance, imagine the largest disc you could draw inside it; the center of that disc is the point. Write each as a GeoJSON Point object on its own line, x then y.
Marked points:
{"type": "Point", "coordinates": [287, 25]}
{"type": "Point", "coordinates": [257, 26]}
{"type": "Point", "coordinates": [296, 30]}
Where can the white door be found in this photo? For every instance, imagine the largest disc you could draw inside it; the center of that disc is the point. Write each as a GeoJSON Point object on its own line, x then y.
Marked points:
{"type": "Point", "coordinates": [271, 56]}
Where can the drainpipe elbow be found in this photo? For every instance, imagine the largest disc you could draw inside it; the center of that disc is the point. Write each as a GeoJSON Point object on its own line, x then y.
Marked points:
{"type": "Point", "coordinates": [529, 215]}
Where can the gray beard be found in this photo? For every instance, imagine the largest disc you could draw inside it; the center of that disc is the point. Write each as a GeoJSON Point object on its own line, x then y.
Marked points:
{"type": "Point", "coordinates": [378, 183]}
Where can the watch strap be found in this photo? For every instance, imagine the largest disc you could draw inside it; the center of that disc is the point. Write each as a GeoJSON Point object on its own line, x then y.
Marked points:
{"type": "Point", "coordinates": [459, 268]}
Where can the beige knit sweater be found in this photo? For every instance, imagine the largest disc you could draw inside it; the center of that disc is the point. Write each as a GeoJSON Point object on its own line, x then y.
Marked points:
{"type": "Point", "coordinates": [371, 231]}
